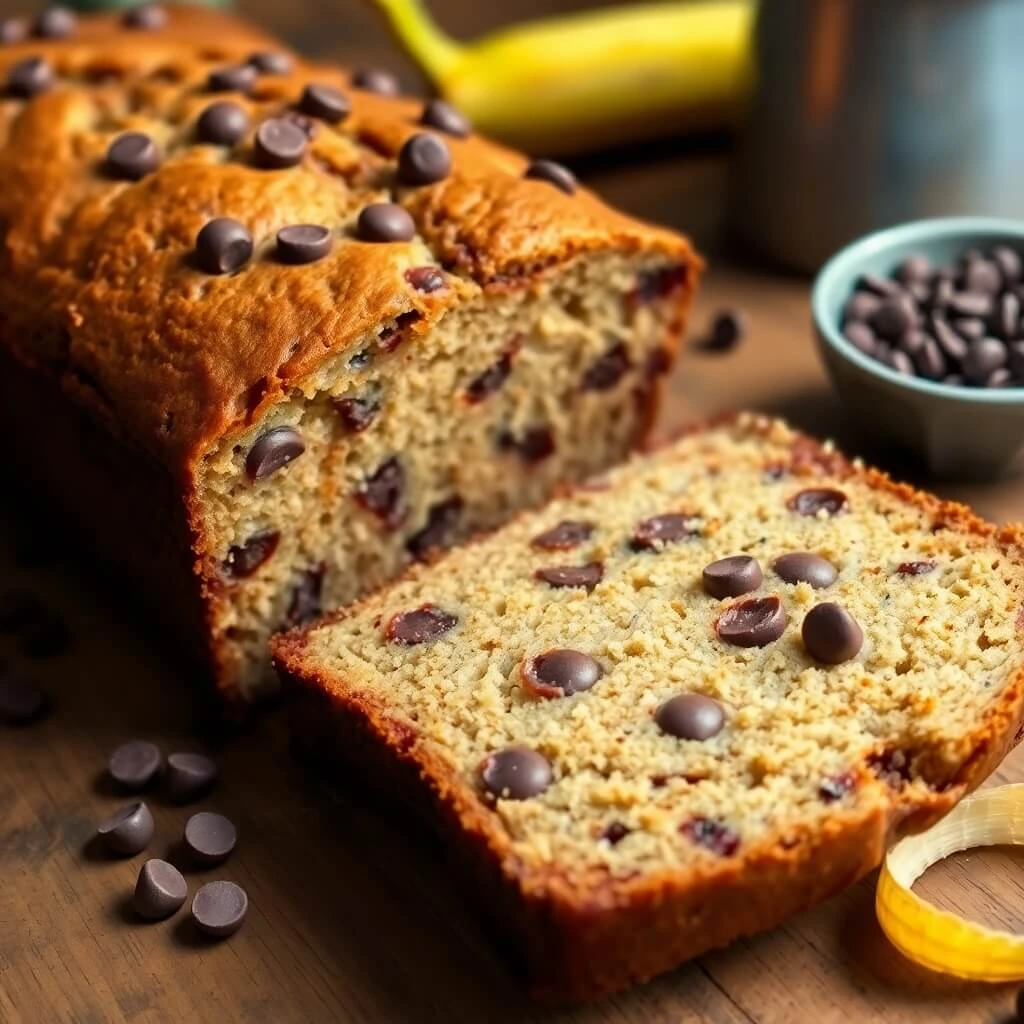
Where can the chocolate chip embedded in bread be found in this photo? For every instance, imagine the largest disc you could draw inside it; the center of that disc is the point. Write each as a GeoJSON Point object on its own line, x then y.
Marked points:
{"type": "Point", "coordinates": [446, 118]}
{"type": "Point", "coordinates": [272, 62]}
{"type": "Point", "coordinates": [383, 493]}
{"type": "Point", "coordinates": [756, 622]}
{"type": "Point", "coordinates": [223, 246]}
{"type": "Point", "coordinates": [712, 834]}
{"type": "Point", "coordinates": [237, 78]}
{"type": "Point", "coordinates": [732, 576]}
{"type": "Point", "coordinates": [385, 222]}
{"type": "Point", "coordinates": [560, 672]}
{"type": "Point", "coordinates": [515, 773]}
{"type": "Point", "coordinates": [274, 450]}
{"type": "Point", "coordinates": [135, 764]}
{"type": "Point", "coordinates": [303, 243]}
{"type": "Point", "coordinates": [608, 369]}
{"type": "Point", "coordinates": [614, 832]}
{"type": "Point", "coordinates": [653, 533]}
{"type": "Point", "coordinates": [491, 379]}
{"type": "Point", "coordinates": [128, 831]}
{"type": "Point", "coordinates": [210, 838]}
{"type": "Point", "coordinates": [189, 776]}
{"type": "Point", "coordinates": [219, 909]}
{"type": "Point", "coordinates": [816, 500]}
{"type": "Point", "coordinates": [279, 143]}
{"type": "Point", "coordinates": [305, 604]}
{"type": "Point", "coordinates": [806, 567]}
{"type": "Point", "coordinates": [553, 173]}
{"type": "Point", "coordinates": [442, 522]}
{"type": "Point", "coordinates": [325, 103]}
{"type": "Point", "coordinates": [420, 626]}
{"type": "Point", "coordinates": [423, 160]}
{"type": "Point", "coordinates": [836, 787]}
{"type": "Point", "coordinates": [223, 123]}
{"type": "Point", "coordinates": [690, 716]}
{"type": "Point", "coordinates": [831, 634]}
{"type": "Point", "coordinates": [587, 576]}
{"type": "Point", "coordinates": [916, 568]}
{"type": "Point", "coordinates": [30, 77]}
{"type": "Point", "coordinates": [244, 559]}
{"type": "Point", "coordinates": [356, 414]}
{"type": "Point", "coordinates": [377, 80]}
{"type": "Point", "coordinates": [146, 17]}
{"type": "Point", "coordinates": [567, 534]}
{"type": "Point", "coordinates": [132, 156]}
{"type": "Point", "coordinates": [534, 444]}
{"type": "Point", "coordinates": [159, 891]}
{"type": "Point", "coordinates": [55, 23]}
{"type": "Point", "coordinates": [22, 700]}
{"type": "Point", "coordinates": [425, 279]}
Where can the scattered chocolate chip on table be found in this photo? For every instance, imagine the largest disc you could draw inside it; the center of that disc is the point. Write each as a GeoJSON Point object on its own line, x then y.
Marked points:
{"type": "Point", "coordinates": [189, 776]}
{"type": "Point", "coordinates": [128, 831]}
{"type": "Point", "coordinates": [209, 837]}
{"type": "Point", "coordinates": [135, 764]}
{"type": "Point", "coordinates": [159, 891]}
{"type": "Point", "coordinates": [219, 908]}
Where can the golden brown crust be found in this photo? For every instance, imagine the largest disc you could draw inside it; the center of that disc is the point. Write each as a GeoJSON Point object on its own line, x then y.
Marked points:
{"type": "Point", "coordinates": [582, 936]}
{"type": "Point", "coordinates": [96, 281]}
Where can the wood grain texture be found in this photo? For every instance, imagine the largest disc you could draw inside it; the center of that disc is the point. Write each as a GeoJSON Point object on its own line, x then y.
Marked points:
{"type": "Point", "coordinates": [352, 916]}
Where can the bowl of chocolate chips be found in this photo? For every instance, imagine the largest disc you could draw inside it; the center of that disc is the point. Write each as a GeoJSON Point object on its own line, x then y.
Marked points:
{"type": "Point", "coordinates": [921, 328]}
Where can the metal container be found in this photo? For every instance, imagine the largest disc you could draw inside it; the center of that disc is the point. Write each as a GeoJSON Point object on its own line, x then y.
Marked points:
{"type": "Point", "coordinates": [866, 113]}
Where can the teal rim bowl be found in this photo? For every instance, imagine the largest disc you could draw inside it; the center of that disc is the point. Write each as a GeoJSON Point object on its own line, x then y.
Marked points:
{"type": "Point", "coordinates": [968, 432]}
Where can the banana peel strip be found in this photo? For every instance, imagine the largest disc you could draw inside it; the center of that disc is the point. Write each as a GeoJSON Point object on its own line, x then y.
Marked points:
{"type": "Point", "coordinates": [937, 939]}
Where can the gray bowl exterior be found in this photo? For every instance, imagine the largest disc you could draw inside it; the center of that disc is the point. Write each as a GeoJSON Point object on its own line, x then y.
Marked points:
{"type": "Point", "coordinates": [964, 433]}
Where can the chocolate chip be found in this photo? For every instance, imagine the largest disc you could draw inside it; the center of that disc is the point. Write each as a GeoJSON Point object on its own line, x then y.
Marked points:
{"type": "Point", "coordinates": [815, 500]}
{"type": "Point", "coordinates": [219, 908]}
{"type": "Point", "coordinates": [984, 356]}
{"type": "Point", "coordinates": [560, 672]}
{"type": "Point", "coordinates": [223, 246]}
{"type": "Point", "coordinates": [237, 78]}
{"type": "Point", "coordinates": [222, 123]}
{"type": "Point", "coordinates": [134, 765]}
{"type": "Point", "coordinates": [383, 493]}
{"type": "Point", "coordinates": [189, 776]}
{"type": "Point", "coordinates": [425, 279]}
{"type": "Point", "coordinates": [279, 143]}
{"type": "Point", "coordinates": [303, 243]}
{"type": "Point", "coordinates": [492, 378]}
{"type": "Point", "coordinates": [132, 156]}
{"type": "Point", "coordinates": [836, 788]}
{"type": "Point", "coordinates": [656, 283]}
{"type": "Point", "coordinates": [210, 838]}
{"type": "Point", "coordinates": [930, 362]}
{"type": "Point", "coordinates": [442, 521]}
{"type": "Point", "coordinates": [894, 317]}
{"type": "Point", "coordinates": [274, 449]}
{"type": "Point", "coordinates": [970, 304]}
{"type": "Point", "coordinates": [423, 160]}
{"type": "Point", "coordinates": [915, 268]}
{"type": "Point", "coordinates": [860, 307]}
{"type": "Point", "coordinates": [55, 23]}
{"type": "Point", "coordinates": [891, 766]}
{"type": "Point", "coordinates": [1007, 318]}
{"type": "Point", "coordinates": [305, 602]}
{"type": "Point", "coordinates": [753, 623]}
{"type": "Point", "coordinates": [831, 634]}
{"type": "Point", "coordinates": [420, 626]}
{"type": "Point", "coordinates": [376, 80]}
{"type": "Point", "coordinates": [969, 327]}
{"type": "Point", "coordinates": [325, 102]}
{"type": "Point", "coordinates": [653, 533]}
{"type": "Point", "coordinates": [147, 17]}
{"type": "Point", "coordinates": [861, 337]}
{"type": "Point", "coordinates": [244, 559]}
{"type": "Point", "coordinates": [728, 329]}
{"type": "Point", "coordinates": [160, 890]}
{"type": "Point", "coordinates": [128, 831]}
{"type": "Point", "coordinates": [45, 636]}
{"type": "Point", "coordinates": [22, 700]}
{"type": "Point", "coordinates": [982, 276]}
{"type": "Point", "coordinates": [306, 125]}
{"type": "Point", "coordinates": [1009, 263]}
{"type": "Point", "coordinates": [356, 414]}
{"type": "Point", "coordinates": [732, 576]}
{"type": "Point", "coordinates": [614, 832]}
{"type": "Point", "coordinates": [553, 173]}
{"type": "Point", "coordinates": [534, 444]}
{"type": "Point", "coordinates": [446, 118]}
{"type": "Point", "coordinates": [690, 716]}
{"type": "Point", "coordinates": [515, 773]}
{"type": "Point", "coordinates": [806, 567]}
{"type": "Point", "coordinates": [13, 30]}
{"type": "Point", "coordinates": [569, 533]}
{"type": "Point", "coordinates": [588, 575]}
{"type": "Point", "coordinates": [385, 222]}
{"type": "Point", "coordinates": [949, 341]}
{"type": "Point", "coordinates": [1000, 378]}
{"type": "Point", "coordinates": [714, 835]}
{"type": "Point", "coordinates": [272, 62]}
{"type": "Point", "coordinates": [608, 369]}
{"type": "Point", "coordinates": [915, 568]}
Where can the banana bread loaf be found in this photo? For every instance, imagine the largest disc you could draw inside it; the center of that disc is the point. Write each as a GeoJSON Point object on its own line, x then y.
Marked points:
{"type": "Point", "coordinates": [269, 331]}
{"type": "Point", "coordinates": [682, 702]}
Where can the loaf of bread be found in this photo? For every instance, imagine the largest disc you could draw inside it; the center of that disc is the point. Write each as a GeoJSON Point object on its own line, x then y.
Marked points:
{"type": "Point", "coordinates": [682, 702]}
{"type": "Point", "coordinates": [270, 331]}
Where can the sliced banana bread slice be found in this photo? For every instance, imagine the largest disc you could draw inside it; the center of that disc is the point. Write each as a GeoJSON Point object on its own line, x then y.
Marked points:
{"type": "Point", "coordinates": [685, 700]}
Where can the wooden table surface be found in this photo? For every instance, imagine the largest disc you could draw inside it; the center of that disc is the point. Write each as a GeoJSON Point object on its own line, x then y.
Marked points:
{"type": "Point", "coordinates": [352, 918]}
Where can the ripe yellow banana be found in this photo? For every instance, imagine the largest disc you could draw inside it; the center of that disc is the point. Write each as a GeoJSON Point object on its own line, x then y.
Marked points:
{"type": "Point", "coordinates": [609, 76]}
